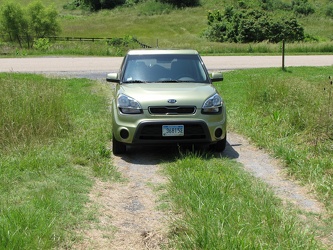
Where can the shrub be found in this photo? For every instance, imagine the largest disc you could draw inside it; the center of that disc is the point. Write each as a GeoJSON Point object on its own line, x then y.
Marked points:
{"type": "Point", "coordinates": [329, 10]}
{"type": "Point", "coordinates": [182, 3]}
{"type": "Point", "coordinates": [302, 7]}
{"type": "Point", "coordinates": [251, 25]}
{"type": "Point", "coordinates": [153, 7]}
{"type": "Point", "coordinates": [103, 4]}
{"type": "Point", "coordinates": [272, 5]}
{"type": "Point", "coordinates": [42, 44]}
{"type": "Point", "coordinates": [72, 5]}
{"type": "Point", "coordinates": [129, 3]}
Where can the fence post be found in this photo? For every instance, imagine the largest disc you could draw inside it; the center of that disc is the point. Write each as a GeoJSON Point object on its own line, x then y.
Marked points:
{"type": "Point", "coordinates": [283, 53]}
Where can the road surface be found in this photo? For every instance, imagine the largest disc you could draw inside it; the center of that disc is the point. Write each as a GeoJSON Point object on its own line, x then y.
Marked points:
{"type": "Point", "coordinates": [98, 67]}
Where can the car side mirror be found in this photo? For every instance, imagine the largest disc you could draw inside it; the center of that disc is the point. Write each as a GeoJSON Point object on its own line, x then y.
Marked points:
{"type": "Point", "coordinates": [112, 77]}
{"type": "Point", "coordinates": [216, 77]}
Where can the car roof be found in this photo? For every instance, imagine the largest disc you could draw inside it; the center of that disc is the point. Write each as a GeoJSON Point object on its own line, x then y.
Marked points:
{"type": "Point", "coordinates": [163, 52]}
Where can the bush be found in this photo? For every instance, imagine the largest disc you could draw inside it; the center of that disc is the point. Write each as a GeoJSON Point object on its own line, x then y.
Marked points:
{"type": "Point", "coordinates": [245, 26]}
{"type": "Point", "coordinates": [329, 10]}
{"type": "Point", "coordinates": [153, 7]}
{"type": "Point", "coordinates": [182, 3]}
{"type": "Point", "coordinates": [42, 44]}
{"type": "Point", "coordinates": [103, 4]}
{"type": "Point", "coordinates": [272, 5]}
{"type": "Point", "coordinates": [129, 3]}
{"type": "Point", "coordinates": [302, 7]}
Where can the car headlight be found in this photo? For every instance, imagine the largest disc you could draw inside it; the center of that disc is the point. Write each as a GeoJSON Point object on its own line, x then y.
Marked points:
{"type": "Point", "coordinates": [212, 105]}
{"type": "Point", "coordinates": [128, 105]}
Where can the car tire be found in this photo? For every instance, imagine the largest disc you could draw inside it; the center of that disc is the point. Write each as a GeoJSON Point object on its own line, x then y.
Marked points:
{"type": "Point", "coordinates": [118, 147]}
{"type": "Point", "coordinates": [220, 145]}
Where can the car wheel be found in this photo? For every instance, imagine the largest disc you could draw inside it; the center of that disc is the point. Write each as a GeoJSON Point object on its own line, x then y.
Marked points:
{"type": "Point", "coordinates": [220, 145]}
{"type": "Point", "coordinates": [118, 147]}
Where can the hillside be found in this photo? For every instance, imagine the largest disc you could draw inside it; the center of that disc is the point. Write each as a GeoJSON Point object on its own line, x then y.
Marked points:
{"type": "Point", "coordinates": [170, 28]}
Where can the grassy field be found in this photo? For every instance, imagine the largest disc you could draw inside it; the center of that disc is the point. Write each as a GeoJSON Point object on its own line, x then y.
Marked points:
{"type": "Point", "coordinates": [288, 113]}
{"type": "Point", "coordinates": [219, 206]}
{"type": "Point", "coordinates": [291, 114]}
{"type": "Point", "coordinates": [151, 24]}
{"type": "Point", "coordinates": [54, 137]}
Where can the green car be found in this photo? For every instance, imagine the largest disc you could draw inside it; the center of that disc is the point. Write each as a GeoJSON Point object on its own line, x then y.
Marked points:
{"type": "Point", "coordinates": [166, 97]}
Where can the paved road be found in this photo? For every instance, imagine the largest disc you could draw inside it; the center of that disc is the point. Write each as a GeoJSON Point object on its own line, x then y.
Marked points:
{"type": "Point", "coordinates": [97, 67]}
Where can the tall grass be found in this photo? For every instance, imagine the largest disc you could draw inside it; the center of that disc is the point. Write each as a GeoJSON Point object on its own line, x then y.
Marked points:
{"type": "Point", "coordinates": [54, 139]}
{"type": "Point", "coordinates": [31, 111]}
{"type": "Point", "coordinates": [290, 114]}
{"type": "Point", "coordinates": [219, 206]}
{"type": "Point", "coordinates": [102, 48]}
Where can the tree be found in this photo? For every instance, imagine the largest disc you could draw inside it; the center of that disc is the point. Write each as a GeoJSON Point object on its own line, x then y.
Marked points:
{"type": "Point", "coordinates": [24, 25]}
{"type": "Point", "coordinates": [14, 24]}
{"type": "Point", "coordinates": [42, 21]}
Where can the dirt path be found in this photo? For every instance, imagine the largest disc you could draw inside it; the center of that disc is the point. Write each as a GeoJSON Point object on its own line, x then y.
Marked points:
{"type": "Point", "coordinates": [129, 217]}
{"type": "Point", "coordinates": [128, 214]}
{"type": "Point", "coordinates": [270, 170]}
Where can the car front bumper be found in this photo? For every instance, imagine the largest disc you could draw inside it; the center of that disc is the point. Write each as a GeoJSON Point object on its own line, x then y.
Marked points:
{"type": "Point", "coordinates": [147, 129]}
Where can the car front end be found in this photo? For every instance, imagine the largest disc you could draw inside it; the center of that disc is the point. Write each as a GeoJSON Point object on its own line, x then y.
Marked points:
{"type": "Point", "coordinates": [164, 110]}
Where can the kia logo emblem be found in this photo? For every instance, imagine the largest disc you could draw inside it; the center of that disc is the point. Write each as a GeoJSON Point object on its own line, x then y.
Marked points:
{"type": "Point", "coordinates": [172, 101]}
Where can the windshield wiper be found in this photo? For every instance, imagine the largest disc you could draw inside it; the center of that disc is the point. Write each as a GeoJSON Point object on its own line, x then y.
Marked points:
{"type": "Point", "coordinates": [168, 81]}
{"type": "Point", "coordinates": [135, 81]}
{"type": "Point", "coordinates": [171, 81]}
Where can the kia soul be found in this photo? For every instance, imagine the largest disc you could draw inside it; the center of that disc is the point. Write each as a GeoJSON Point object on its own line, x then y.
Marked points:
{"type": "Point", "coordinates": [166, 97]}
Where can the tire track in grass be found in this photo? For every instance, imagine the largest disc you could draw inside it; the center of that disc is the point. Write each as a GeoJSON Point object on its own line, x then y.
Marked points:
{"type": "Point", "coordinates": [128, 217]}
{"type": "Point", "coordinates": [265, 167]}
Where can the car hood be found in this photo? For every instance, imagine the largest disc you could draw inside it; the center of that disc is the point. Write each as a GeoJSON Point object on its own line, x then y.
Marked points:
{"type": "Point", "coordinates": [158, 94]}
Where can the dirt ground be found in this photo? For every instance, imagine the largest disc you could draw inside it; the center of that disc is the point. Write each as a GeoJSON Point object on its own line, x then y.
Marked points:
{"type": "Point", "coordinates": [128, 213]}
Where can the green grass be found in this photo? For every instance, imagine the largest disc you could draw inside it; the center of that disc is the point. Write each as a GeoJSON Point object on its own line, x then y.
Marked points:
{"type": "Point", "coordinates": [59, 144]}
{"type": "Point", "coordinates": [290, 114]}
{"type": "Point", "coordinates": [157, 24]}
{"type": "Point", "coordinates": [219, 206]}
{"type": "Point", "coordinates": [54, 137]}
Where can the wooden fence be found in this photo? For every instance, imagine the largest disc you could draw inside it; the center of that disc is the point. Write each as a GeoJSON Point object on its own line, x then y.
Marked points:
{"type": "Point", "coordinates": [113, 41]}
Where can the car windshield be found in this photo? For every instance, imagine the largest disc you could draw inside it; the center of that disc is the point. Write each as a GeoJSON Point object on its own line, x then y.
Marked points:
{"type": "Point", "coordinates": [164, 68]}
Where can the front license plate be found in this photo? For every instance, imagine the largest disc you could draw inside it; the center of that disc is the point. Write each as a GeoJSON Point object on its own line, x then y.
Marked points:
{"type": "Point", "coordinates": [173, 130]}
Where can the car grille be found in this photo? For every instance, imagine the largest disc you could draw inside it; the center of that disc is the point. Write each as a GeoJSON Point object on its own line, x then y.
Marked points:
{"type": "Point", "coordinates": [172, 110]}
{"type": "Point", "coordinates": [154, 132]}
